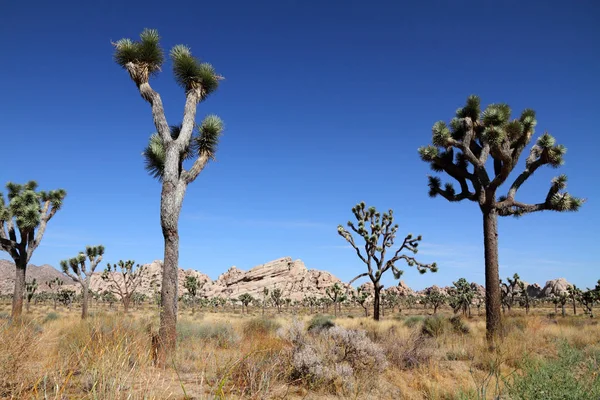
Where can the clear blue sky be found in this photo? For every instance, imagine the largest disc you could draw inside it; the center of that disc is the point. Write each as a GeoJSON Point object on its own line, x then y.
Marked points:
{"type": "Point", "coordinates": [325, 105]}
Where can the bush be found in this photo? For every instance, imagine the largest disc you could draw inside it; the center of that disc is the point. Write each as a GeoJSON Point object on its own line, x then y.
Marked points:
{"type": "Point", "coordinates": [51, 316]}
{"type": "Point", "coordinates": [572, 376]}
{"type": "Point", "coordinates": [413, 321]}
{"type": "Point", "coordinates": [408, 353]}
{"type": "Point", "coordinates": [433, 326]}
{"type": "Point", "coordinates": [320, 322]}
{"type": "Point", "coordinates": [222, 333]}
{"type": "Point", "coordinates": [261, 326]}
{"type": "Point", "coordinates": [459, 326]}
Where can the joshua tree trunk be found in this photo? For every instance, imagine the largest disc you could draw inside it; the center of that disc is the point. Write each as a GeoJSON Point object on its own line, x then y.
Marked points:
{"type": "Point", "coordinates": [563, 309]}
{"type": "Point", "coordinates": [492, 276]}
{"type": "Point", "coordinates": [171, 200]}
{"type": "Point", "coordinates": [85, 299]}
{"type": "Point", "coordinates": [574, 307]}
{"type": "Point", "coordinates": [376, 296]}
{"type": "Point", "coordinates": [17, 303]}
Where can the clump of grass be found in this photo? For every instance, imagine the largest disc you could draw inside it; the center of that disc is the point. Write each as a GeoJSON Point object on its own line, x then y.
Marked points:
{"type": "Point", "coordinates": [261, 326]}
{"type": "Point", "coordinates": [222, 333]}
{"type": "Point", "coordinates": [409, 352]}
{"type": "Point", "coordinates": [459, 326]}
{"type": "Point", "coordinates": [19, 345]}
{"type": "Point", "coordinates": [320, 323]}
{"type": "Point", "coordinates": [51, 316]}
{"type": "Point", "coordinates": [433, 326]}
{"type": "Point", "coordinates": [413, 321]}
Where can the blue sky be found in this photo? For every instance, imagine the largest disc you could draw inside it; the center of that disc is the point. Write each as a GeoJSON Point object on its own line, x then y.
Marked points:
{"type": "Point", "coordinates": [325, 104]}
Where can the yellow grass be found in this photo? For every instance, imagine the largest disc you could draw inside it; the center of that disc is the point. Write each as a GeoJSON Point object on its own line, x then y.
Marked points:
{"type": "Point", "coordinates": [227, 355]}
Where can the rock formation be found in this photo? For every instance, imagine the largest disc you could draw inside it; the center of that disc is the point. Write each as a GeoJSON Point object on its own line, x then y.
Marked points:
{"type": "Point", "coordinates": [555, 287]}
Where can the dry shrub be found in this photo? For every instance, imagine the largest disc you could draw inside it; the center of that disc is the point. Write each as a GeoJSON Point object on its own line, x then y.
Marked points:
{"type": "Point", "coordinates": [410, 352]}
{"type": "Point", "coordinates": [260, 327]}
{"type": "Point", "coordinates": [19, 345]}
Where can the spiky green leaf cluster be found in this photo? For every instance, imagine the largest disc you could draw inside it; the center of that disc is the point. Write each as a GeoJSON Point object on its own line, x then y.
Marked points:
{"type": "Point", "coordinates": [145, 53]}
{"type": "Point", "coordinates": [25, 204]}
{"type": "Point", "coordinates": [207, 140]}
{"type": "Point", "coordinates": [191, 74]}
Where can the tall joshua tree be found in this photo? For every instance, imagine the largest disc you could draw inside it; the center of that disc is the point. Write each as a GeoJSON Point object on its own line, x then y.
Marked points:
{"type": "Point", "coordinates": [23, 222]}
{"type": "Point", "coordinates": [379, 232]}
{"type": "Point", "coordinates": [463, 150]}
{"type": "Point", "coordinates": [77, 270]}
{"type": "Point", "coordinates": [168, 148]}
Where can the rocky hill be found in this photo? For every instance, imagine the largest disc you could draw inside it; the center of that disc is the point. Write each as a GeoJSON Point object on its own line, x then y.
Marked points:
{"type": "Point", "coordinates": [291, 276]}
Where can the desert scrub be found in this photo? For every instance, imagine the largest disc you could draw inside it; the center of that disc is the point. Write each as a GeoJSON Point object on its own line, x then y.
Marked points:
{"type": "Point", "coordinates": [51, 316]}
{"type": "Point", "coordinates": [572, 376]}
{"type": "Point", "coordinates": [410, 352]}
{"type": "Point", "coordinates": [19, 345]}
{"type": "Point", "coordinates": [343, 360]}
{"type": "Point", "coordinates": [221, 333]}
{"type": "Point", "coordinates": [260, 326]}
{"type": "Point", "coordinates": [433, 326]}
{"type": "Point", "coordinates": [320, 322]}
{"type": "Point", "coordinates": [413, 321]}
{"type": "Point", "coordinates": [459, 326]}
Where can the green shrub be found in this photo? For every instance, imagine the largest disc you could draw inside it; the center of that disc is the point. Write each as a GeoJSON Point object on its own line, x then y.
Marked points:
{"type": "Point", "coordinates": [433, 326]}
{"type": "Point", "coordinates": [51, 316]}
{"type": "Point", "coordinates": [413, 321]}
{"type": "Point", "coordinates": [320, 322]}
{"type": "Point", "coordinates": [459, 326]}
{"type": "Point", "coordinates": [222, 333]}
{"type": "Point", "coordinates": [261, 326]}
{"type": "Point", "coordinates": [573, 376]}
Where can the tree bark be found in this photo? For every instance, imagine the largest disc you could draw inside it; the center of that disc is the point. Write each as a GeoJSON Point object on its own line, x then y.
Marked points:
{"type": "Point", "coordinates": [376, 296]}
{"type": "Point", "coordinates": [492, 277]}
{"type": "Point", "coordinates": [85, 299]}
{"type": "Point", "coordinates": [17, 303]}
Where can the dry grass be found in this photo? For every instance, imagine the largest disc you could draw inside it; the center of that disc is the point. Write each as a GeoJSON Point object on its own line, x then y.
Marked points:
{"type": "Point", "coordinates": [228, 355]}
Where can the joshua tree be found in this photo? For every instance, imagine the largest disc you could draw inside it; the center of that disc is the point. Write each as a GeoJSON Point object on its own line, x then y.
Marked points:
{"type": "Point", "coordinates": [109, 297]}
{"type": "Point", "coordinates": [277, 299]}
{"type": "Point", "coordinates": [379, 232]}
{"type": "Point", "coordinates": [435, 297]}
{"type": "Point", "coordinates": [574, 294]}
{"type": "Point", "coordinates": [23, 222]}
{"type": "Point", "coordinates": [461, 296]}
{"type": "Point", "coordinates": [66, 296]}
{"type": "Point", "coordinates": [589, 297]}
{"type": "Point", "coordinates": [265, 298]}
{"type": "Point", "coordinates": [361, 296]}
{"type": "Point", "coordinates": [337, 296]}
{"type": "Point", "coordinates": [246, 299]}
{"type": "Point", "coordinates": [524, 296]}
{"type": "Point", "coordinates": [30, 289]}
{"type": "Point", "coordinates": [463, 149]}
{"type": "Point", "coordinates": [509, 291]}
{"type": "Point", "coordinates": [55, 285]}
{"type": "Point", "coordinates": [76, 269]}
{"type": "Point", "coordinates": [193, 285]}
{"type": "Point", "coordinates": [123, 279]}
{"type": "Point", "coordinates": [167, 150]}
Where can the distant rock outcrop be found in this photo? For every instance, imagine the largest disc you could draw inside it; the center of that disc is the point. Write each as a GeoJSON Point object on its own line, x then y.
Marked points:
{"type": "Point", "coordinates": [555, 287]}
{"type": "Point", "coordinates": [41, 274]}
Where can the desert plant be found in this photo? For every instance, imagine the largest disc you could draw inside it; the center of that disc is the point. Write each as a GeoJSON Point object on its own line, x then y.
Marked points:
{"type": "Point", "coordinates": [525, 296]}
{"type": "Point", "coordinates": [472, 139]}
{"type": "Point", "coordinates": [277, 298]}
{"type": "Point", "coordinates": [319, 323]}
{"type": "Point", "coordinates": [588, 298]}
{"type": "Point", "coordinates": [435, 297]}
{"type": "Point", "coordinates": [169, 148]}
{"type": "Point", "coordinates": [379, 232]}
{"type": "Point", "coordinates": [574, 294]}
{"type": "Point", "coordinates": [55, 286]}
{"type": "Point", "coordinates": [30, 289]}
{"type": "Point", "coordinates": [23, 222]}
{"type": "Point", "coordinates": [510, 291]}
{"type": "Point", "coordinates": [433, 326]}
{"type": "Point", "coordinates": [246, 299]}
{"type": "Point", "coordinates": [123, 279]}
{"type": "Point", "coordinates": [77, 270]}
{"type": "Point", "coordinates": [361, 296]}
{"type": "Point", "coordinates": [337, 296]}
{"type": "Point", "coordinates": [461, 296]}
{"type": "Point", "coordinates": [193, 286]}
{"type": "Point", "coordinates": [66, 297]}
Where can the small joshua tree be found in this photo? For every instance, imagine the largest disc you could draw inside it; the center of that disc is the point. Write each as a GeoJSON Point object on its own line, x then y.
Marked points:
{"type": "Point", "coordinates": [435, 297]}
{"type": "Point", "coordinates": [574, 294]}
{"type": "Point", "coordinates": [463, 150]}
{"type": "Point", "coordinates": [77, 270]}
{"type": "Point", "coordinates": [337, 296]}
{"type": "Point", "coordinates": [55, 285]}
{"type": "Point", "coordinates": [123, 280]}
{"type": "Point", "coordinates": [246, 299]}
{"type": "Point", "coordinates": [588, 298]}
{"type": "Point", "coordinates": [277, 298]}
{"type": "Point", "coordinates": [361, 297]}
{"type": "Point", "coordinates": [265, 299]}
{"type": "Point", "coordinates": [193, 286]}
{"type": "Point", "coordinates": [23, 222]}
{"type": "Point", "coordinates": [169, 148]}
{"type": "Point", "coordinates": [525, 296]}
{"type": "Point", "coordinates": [30, 289]}
{"type": "Point", "coordinates": [510, 291]}
{"type": "Point", "coordinates": [66, 297]}
{"type": "Point", "coordinates": [379, 233]}
{"type": "Point", "coordinates": [461, 296]}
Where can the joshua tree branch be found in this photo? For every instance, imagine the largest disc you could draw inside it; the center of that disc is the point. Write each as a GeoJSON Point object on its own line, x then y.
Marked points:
{"type": "Point", "coordinates": [189, 176]}
{"type": "Point", "coordinates": [189, 116]}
